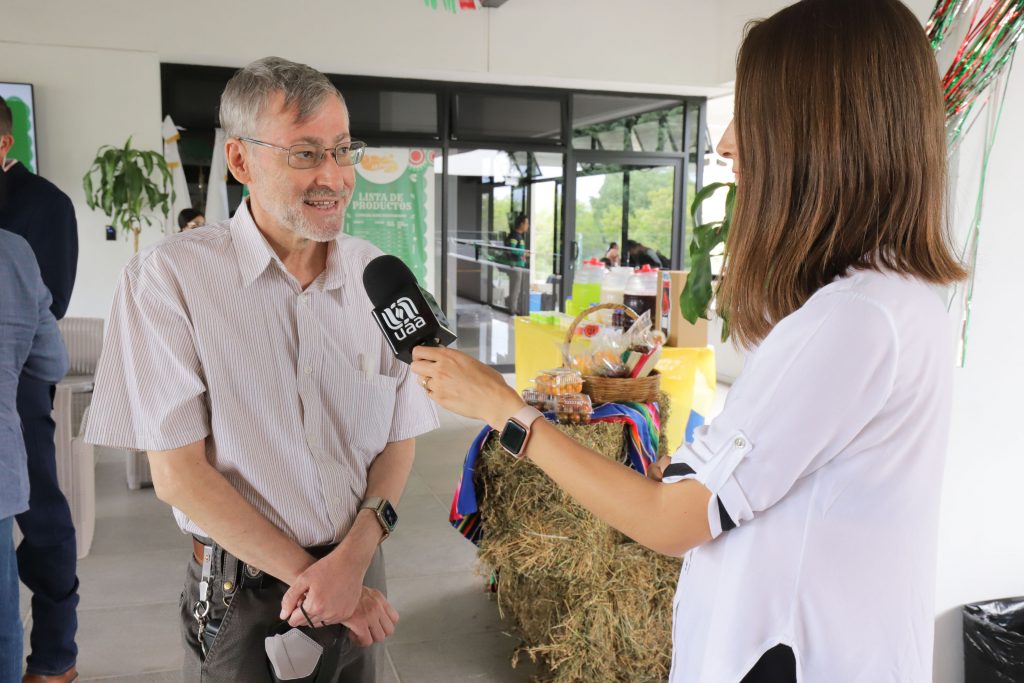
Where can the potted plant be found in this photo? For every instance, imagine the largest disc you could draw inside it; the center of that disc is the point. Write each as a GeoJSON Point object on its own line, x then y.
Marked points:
{"type": "Point", "coordinates": [695, 300]}
{"type": "Point", "coordinates": [129, 185]}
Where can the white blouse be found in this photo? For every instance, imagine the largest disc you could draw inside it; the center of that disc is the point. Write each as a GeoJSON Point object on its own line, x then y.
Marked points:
{"type": "Point", "coordinates": [825, 469]}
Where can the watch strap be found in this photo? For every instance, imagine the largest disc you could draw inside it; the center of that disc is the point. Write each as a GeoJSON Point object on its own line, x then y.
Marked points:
{"type": "Point", "coordinates": [377, 503]}
{"type": "Point", "coordinates": [525, 417]}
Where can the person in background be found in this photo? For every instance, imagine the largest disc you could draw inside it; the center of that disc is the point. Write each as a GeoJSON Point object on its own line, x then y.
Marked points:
{"type": "Point", "coordinates": [189, 219]}
{"type": "Point", "coordinates": [611, 257]}
{"type": "Point", "coordinates": [43, 215]}
{"type": "Point", "coordinates": [808, 510]}
{"type": "Point", "coordinates": [30, 346]}
{"type": "Point", "coordinates": [279, 426]}
{"type": "Point", "coordinates": [517, 256]}
{"type": "Point", "coordinates": [639, 255]}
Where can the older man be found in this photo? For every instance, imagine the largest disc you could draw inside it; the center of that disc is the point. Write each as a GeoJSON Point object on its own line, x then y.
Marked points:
{"type": "Point", "coordinates": [243, 357]}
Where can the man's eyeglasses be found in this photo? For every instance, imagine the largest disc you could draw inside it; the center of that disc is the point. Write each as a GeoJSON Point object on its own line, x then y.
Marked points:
{"type": "Point", "coordinates": [307, 155]}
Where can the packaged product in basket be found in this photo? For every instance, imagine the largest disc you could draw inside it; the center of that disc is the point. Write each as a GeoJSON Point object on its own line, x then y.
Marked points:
{"type": "Point", "coordinates": [559, 381]}
{"type": "Point", "coordinates": [599, 354]}
{"type": "Point", "coordinates": [645, 344]}
{"type": "Point", "coordinates": [572, 408]}
{"type": "Point", "coordinates": [537, 399]}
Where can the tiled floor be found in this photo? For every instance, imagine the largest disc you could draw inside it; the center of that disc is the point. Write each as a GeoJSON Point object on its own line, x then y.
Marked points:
{"type": "Point", "coordinates": [449, 632]}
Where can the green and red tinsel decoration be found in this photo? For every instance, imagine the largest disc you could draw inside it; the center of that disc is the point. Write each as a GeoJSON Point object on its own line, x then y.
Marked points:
{"type": "Point", "coordinates": [453, 5]}
{"type": "Point", "coordinates": [989, 38]}
{"type": "Point", "coordinates": [984, 36]}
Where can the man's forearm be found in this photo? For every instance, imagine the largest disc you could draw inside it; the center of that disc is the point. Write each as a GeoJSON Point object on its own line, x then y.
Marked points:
{"type": "Point", "coordinates": [183, 478]}
{"type": "Point", "coordinates": [386, 478]}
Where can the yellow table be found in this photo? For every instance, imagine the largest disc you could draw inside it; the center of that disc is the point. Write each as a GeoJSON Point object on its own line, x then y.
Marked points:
{"type": "Point", "coordinates": [687, 374]}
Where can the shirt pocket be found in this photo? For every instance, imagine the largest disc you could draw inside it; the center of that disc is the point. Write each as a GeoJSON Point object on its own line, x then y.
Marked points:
{"type": "Point", "coordinates": [367, 412]}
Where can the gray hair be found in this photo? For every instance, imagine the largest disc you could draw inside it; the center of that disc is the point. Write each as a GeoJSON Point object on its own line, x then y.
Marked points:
{"type": "Point", "coordinates": [247, 94]}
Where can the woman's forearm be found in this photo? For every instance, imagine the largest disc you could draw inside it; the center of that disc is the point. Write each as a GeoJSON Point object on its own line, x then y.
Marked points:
{"type": "Point", "coordinates": [667, 518]}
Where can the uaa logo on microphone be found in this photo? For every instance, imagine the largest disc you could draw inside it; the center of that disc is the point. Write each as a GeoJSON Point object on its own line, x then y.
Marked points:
{"type": "Point", "coordinates": [403, 318]}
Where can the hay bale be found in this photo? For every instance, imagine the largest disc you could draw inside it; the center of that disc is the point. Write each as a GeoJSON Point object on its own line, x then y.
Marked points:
{"type": "Point", "coordinates": [531, 524]}
{"type": "Point", "coordinates": [588, 603]}
{"type": "Point", "coordinates": [613, 625]}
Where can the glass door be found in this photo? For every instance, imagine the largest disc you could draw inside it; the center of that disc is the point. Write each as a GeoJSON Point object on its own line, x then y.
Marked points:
{"type": "Point", "coordinates": [504, 227]}
{"type": "Point", "coordinates": [631, 206]}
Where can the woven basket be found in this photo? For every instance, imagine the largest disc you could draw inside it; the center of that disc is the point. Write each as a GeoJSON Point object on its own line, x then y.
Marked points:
{"type": "Point", "coordinates": [616, 389]}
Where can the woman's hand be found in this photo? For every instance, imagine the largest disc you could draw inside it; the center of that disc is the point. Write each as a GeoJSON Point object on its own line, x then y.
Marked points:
{"type": "Point", "coordinates": [657, 469]}
{"type": "Point", "coordinates": [464, 385]}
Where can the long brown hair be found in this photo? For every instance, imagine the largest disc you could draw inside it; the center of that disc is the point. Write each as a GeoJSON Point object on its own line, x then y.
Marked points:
{"type": "Point", "coordinates": [841, 145]}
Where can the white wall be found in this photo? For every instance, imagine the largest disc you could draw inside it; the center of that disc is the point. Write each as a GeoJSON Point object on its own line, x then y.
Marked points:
{"type": "Point", "coordinates": [525, 41]}
{"type": "Point", "coordinates": [86, 98]}
{"type": "Point", "coordinates": [981, 538]}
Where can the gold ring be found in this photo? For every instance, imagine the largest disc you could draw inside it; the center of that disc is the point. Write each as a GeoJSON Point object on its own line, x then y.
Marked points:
{"type": "Point", "coordinates": [424, 382]}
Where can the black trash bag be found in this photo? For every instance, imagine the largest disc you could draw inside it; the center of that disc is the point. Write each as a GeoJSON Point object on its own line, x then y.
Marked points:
{"type": "Point", "coordinates": [994, 641]}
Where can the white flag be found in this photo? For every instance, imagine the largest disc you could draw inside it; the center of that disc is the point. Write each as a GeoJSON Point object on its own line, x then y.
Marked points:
{"type": "Point", "coordinates": [217, 184]}
{"type": "Point", "coordinates": [182, 200]}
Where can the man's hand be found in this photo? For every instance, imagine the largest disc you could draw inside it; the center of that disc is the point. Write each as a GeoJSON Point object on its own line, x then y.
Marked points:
{"type": "Point", "coordinates": [329, 590]}
{"type": "Point", "coordinates": [373, 621]}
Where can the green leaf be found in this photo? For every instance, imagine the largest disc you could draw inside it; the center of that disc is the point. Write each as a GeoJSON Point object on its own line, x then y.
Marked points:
{"type": "Point", "coordinates": [87, 188]}
{"type": "Point", "coordinates": [730, 206]}
{"type": "Point", "coordinates": [697, 293]}
{"type": "Point", "coordinates": [702, 195]}
{"type": "Point", "coordinates": [705, 239]}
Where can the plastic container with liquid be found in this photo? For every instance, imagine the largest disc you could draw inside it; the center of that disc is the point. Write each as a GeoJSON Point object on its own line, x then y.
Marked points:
{"type": "Point", "coordinates": [613, 284]}
{"type": "Point", "coordinates": [586, 286]}
{"type": "Point", "coordinates": [641, 292]}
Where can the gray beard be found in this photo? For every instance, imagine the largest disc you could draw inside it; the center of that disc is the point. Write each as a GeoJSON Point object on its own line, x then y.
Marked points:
{"type": "Point", "coordinates": [303, 227]}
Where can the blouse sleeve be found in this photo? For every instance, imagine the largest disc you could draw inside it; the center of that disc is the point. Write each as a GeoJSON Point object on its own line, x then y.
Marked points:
{"type": "Point", "coordinates": [815, 382]}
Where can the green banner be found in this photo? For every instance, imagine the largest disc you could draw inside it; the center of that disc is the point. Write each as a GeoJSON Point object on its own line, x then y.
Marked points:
{"type": "Point", "coordinates": [391, 206]}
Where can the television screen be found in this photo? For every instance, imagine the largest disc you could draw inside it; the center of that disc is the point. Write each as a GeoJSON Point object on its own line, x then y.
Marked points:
{"type": "Point", "coordinates": [19, 98]}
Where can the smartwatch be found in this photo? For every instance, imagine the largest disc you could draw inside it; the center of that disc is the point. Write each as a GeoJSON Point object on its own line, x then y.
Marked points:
{"type": "Point", "coordinates": [517, 431]}
{"type": "Point", "coordinates": [386, 515]}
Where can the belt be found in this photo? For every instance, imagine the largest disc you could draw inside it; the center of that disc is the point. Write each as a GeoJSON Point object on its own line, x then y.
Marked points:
{"type": "Point", "coordinates": [252, 577]}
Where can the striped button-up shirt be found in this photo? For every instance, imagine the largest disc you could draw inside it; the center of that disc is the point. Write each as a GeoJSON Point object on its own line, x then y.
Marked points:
{"type": "Point", "coordinates": [295, 392]}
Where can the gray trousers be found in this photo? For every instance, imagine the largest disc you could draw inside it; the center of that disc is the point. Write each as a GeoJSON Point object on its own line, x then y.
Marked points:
{"type": "Point", "coordinates": [237, 654]}
{"type": "Point", "coordinates": [516, 280]}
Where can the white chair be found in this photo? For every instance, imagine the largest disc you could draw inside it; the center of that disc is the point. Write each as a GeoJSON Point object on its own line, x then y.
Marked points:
{"type": "Point", "coordinates": [76, 462]}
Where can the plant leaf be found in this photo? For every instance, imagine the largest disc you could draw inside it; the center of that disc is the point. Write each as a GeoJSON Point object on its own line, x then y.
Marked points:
{"type": "Point", "coordinates": [698, 291]}
{"type": "Point", "coordinates": [702, 196]}
{"type": "Point", "coordinates": [87, 188]}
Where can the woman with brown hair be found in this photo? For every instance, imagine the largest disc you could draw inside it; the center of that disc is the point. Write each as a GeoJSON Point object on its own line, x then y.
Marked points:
{"type": "Point", "coordinates": [808, 510]}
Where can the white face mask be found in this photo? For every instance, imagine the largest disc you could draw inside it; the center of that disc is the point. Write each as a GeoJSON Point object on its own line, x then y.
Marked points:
{"type": "Point", "coordinates": [293, 655]}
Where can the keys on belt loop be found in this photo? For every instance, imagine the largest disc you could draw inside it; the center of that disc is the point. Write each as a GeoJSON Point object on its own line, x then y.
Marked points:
{"type": "Point", "coordinates": [201, 610]}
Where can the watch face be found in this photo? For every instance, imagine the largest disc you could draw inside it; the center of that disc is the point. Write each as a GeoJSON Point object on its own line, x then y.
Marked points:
{"type": "Point", "coordinates": [389, 515]}
{"type": "Point", "coordinates": [513, 437]}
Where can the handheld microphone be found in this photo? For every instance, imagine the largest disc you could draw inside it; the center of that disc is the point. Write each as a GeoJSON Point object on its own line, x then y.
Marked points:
{"type": "Point", "coordinates": [405, 312]}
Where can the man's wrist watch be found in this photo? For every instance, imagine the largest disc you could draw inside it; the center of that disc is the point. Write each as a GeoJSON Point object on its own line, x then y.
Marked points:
{"type": "Point", "coordinates": [385, 512]}
{"type": "Point", "coordinates": [516, 432]}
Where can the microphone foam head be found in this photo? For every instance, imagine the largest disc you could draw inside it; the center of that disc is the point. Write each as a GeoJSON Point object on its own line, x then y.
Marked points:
{"type": "Point", "coordinates": [384, 276]}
